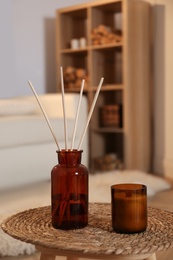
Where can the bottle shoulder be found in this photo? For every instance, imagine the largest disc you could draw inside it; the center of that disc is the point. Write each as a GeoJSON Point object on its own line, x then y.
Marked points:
{"type": "Point", "coordinates": [80, 168]}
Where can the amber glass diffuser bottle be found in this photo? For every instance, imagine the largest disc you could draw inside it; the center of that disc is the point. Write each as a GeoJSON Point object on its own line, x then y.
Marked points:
{"type": "Point", "coordinates": [69, 191]}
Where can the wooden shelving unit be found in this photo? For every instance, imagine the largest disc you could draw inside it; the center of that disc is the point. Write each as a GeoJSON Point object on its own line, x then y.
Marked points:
{"type": "Point", "coordinates": [124, 63]}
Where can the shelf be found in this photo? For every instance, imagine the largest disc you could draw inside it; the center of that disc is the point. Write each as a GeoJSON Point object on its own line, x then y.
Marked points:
{"type": "Point", "coordinates": [77, 90]}
{"type": "Point", "coordinates": [73, 51]}
{"type": "Point", "coordinates": [93, 89]}
{"type": "Point", "coordinates": [93, 47]}
{"type": "Point", "coordinates": [107, 46]}
{"type": "Point", "coordinates": [110, 87]}
{"type": "Point", "coordinates": [108, 130]}
{"type": "Point", "coordinates": [117, 34]}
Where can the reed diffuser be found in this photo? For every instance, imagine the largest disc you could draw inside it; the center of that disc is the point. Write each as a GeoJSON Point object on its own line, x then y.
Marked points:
{"type": "Point", "coordinates": [69, 191]}
{"type": "Point", "coordinates": [69, 178]}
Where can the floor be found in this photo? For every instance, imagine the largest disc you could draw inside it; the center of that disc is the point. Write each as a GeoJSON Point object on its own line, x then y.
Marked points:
{"type": "Point", "coordinates": [163, 200]}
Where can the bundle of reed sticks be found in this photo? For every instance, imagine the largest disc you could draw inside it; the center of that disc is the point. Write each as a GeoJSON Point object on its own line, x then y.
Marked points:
{"type": "Point", "coordinates": [64, 113]}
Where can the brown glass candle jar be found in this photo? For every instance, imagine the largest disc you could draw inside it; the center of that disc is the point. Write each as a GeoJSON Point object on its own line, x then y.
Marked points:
{"type": "Point", "coordinates": [129, 208]}
{"type": "Point", "coordinates": [69, 191]}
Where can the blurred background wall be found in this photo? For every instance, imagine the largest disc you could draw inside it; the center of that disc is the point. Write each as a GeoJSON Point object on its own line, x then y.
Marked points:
{"type": "Point", "coordinates": [27, 45]}
{"type": "Point", "coordinates": [27, 52]}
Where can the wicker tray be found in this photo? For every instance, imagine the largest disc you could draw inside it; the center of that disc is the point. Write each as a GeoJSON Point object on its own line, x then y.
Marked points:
{"type": "Point", "coordinates": [34, 226]}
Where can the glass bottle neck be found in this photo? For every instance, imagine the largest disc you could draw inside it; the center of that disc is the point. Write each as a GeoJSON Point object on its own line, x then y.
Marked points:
{"type": "Point", "coordinates": [69, 157]}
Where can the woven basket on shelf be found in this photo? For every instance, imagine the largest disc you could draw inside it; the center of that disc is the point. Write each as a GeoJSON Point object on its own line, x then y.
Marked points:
{"type": "Point", "coordinates": [111, 116]}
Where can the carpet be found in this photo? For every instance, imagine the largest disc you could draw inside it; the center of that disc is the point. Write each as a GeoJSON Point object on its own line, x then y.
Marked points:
{"type": "Point", "coordinates": [39, 195]}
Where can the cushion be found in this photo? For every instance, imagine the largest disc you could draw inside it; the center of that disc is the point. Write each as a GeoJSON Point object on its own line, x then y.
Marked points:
{"type": "Point", "coordinates": [23, 130]}
{"type": "Point", "coordinates": [52, 103]}
{"type": "Point", "coordinates": [9, 107]}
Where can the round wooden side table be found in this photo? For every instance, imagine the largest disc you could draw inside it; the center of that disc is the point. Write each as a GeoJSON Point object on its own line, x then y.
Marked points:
{"type": "Point", "coordinates": [97, 240]}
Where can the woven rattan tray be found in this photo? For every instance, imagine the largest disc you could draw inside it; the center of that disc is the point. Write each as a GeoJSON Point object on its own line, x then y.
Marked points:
{"type": "Point", "coordinates": [34, 226]}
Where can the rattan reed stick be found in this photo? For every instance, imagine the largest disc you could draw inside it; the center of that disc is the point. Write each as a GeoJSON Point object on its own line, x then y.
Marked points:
{"type": "Point", "coordinates": [44, 113]}
{"type": "Point", "coordinates": [64, 110]}
{"type": "Point", "coordinates": [90, 112]}
{"type": "Point", "coordinates": [77, 113]}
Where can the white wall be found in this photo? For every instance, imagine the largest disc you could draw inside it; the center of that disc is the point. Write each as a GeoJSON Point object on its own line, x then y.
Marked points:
{"type": "Point", "coordinates": [27, 45]}
{"type": "Point", "coordinates": [159, 88]}
{"type": "Point", "coordinates": [8, 84]}
{"type": "Point", "coordinates": [163, 90]}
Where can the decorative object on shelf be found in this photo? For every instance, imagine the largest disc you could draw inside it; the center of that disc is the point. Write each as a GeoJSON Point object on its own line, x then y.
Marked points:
{"type": "Point", "coordinates": [78, 43]}
{"type": "Point", "coordinates": [129, 207]}
{"type": "Point", "coordinates": [73, 77]}
{"type": "Point", "coordinates": [108, 162]}
{"type": "Point", "coordinates": [74, 44]}
{"type": "Point", "coordinates": [104, 35]}
{"type": "Point", "coordinates": [82, 42]}
{"type": "Point", "coordinates": [111, 116]}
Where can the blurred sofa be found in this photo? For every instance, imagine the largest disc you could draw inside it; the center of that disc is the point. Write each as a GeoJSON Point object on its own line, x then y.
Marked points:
{"type": "Point", "coordinates": [27, 148]}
